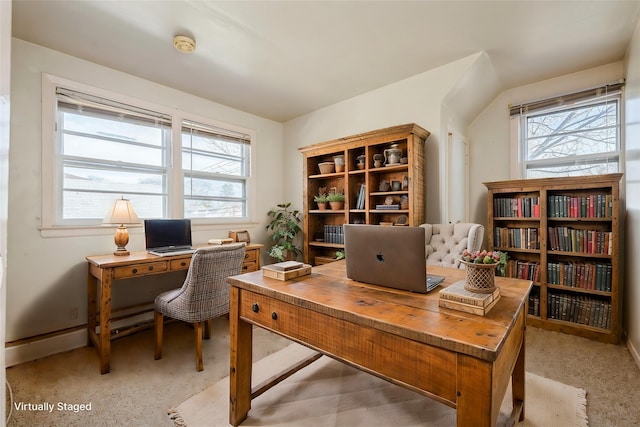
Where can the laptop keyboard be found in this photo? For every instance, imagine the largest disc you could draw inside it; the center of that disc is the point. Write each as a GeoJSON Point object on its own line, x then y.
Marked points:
{"type": "Point", "coordinates": [172, 251]}
{"type": "Point", "coordinates": [433, 282]}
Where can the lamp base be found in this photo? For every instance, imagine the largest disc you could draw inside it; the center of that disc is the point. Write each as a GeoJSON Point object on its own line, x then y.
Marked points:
{"type": "Point", "coordinates": [121, 237]}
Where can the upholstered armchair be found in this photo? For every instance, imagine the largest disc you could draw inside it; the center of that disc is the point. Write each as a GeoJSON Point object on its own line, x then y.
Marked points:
{"type": "Point", "coordinates": [204, 294]}
{"type": "Point", "coordinates": [445, 242]}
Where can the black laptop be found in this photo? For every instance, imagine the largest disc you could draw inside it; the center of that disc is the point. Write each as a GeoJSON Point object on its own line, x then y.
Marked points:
{"type": "Point", "coordinates": [388, 256]}
{"type": "Point", "coordinates": [167, 237]}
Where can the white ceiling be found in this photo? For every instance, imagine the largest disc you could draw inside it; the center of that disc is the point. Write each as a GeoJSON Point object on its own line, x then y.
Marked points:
{"type": "Point", "coordinates": [282, 59]}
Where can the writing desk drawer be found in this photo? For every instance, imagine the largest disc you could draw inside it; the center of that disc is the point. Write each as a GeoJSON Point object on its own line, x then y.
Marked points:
{"type": "Point", "coordinates": [140, 269]}
{"type": "Point", "coordinates": [180, 264]}
{"type": "Point", "coordinates": [251, 255]}
{"type": "Point", "coordinates": [268, 312]}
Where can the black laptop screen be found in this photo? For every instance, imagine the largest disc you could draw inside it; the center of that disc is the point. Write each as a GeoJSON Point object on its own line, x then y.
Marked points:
{"type": "Point", "coordinates": [162, 233]}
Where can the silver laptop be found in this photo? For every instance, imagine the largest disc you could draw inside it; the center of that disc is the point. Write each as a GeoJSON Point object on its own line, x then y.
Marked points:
{"type": "Point", "coordinates": [388, 256]}
{"type": "Point", "coordinates": [168, 237]}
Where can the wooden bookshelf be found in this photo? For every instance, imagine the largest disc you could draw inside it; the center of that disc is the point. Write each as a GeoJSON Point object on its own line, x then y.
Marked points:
{"type": "Point", "coordinates": [563, 233]}
{"type": "Point", "coordinates": [367, 199]}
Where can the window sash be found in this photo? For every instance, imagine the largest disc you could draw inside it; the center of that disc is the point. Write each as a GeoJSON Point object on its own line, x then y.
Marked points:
{"type": "Point", "coordinates": [569, 164]}
{"type": "Point", "coordinates": [90, 159]}
{"type": "Point", "coordinates": [216, 169]}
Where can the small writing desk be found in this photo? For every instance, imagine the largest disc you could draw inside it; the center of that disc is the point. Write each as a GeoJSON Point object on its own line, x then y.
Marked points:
{"type": "Point", "coordinates": [462, 360]}
{"type": "Point", "coordinates": [104, 269]}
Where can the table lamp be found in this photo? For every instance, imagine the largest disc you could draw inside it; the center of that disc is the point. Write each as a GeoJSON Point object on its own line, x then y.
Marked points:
{"type": "Point", "coordinates": [121, 212]}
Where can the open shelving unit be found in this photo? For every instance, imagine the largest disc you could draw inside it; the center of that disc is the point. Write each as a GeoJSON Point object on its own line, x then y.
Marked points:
{"type": "Point", "coordinates": [368, 199]}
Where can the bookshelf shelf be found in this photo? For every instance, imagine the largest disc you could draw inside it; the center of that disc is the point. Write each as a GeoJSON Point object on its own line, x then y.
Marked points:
{"type": "Point", "coordinates": [575, 223]}
{"type": "Point", "coordinates": [365, 186]}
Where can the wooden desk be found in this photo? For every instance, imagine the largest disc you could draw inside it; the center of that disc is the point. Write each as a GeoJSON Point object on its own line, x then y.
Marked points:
{"type": "Point", "coordinates": [104, 269]}
{"type": "Point", "coordinates": [460, 359]}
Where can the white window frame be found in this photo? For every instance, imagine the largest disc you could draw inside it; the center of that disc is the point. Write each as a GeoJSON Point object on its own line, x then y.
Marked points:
{"type": "Point", "coordinates": [519, 132]}
{"type": "Point", "coordinates": [51, 221]}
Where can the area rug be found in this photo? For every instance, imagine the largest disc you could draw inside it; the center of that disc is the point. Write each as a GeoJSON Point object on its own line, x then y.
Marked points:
{"type": "Point", "coordinates": [329, 393]}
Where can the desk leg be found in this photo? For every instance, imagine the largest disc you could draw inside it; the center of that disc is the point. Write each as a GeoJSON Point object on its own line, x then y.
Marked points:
{"type": "Point", "coordinates": [105, 324]}
{"type": "Point", "coordinates": [92, 308]}
{"type": "Point", "coordinates": [474, 403]}
{"type": "Point", "coordinates": [518, 378]}
{"type": "Point", "coordinates": [241, 336]}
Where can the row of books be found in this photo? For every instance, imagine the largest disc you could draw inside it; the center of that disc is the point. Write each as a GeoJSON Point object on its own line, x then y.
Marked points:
{"type": "Point", "coordinates": [591, 206]}
{"type": "Point", "coordinates": [362, 194]}
{"type": "Point", "coordinates": [558, 206]}
{"type": "Point", "coordinates": [534, 302]}
{"type": "Point", "coordinates": [579, 309]}
{"type": "Point", "coordinates": [519, 238]}
{"type": "Point", "coordinates": [584, 275]}
{"type": "Point", "coordinates": [333, 234]}
{"type": "Point", "coordinates": [577, 240]}
{"type": "Point", "coordinates": [516, 207]}
{"type": "Point", "coordinates": [518, 269]}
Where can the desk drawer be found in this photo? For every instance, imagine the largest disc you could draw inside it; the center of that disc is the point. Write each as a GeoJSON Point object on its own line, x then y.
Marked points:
{"type": "Point", "coordinates": [140, 269]}
{"type": "Point", "coordinates": [267, 312]}
{"type": "Point", "coordinates": [250, 262]}
{"type": "Point", "coordinates": [180, 264]}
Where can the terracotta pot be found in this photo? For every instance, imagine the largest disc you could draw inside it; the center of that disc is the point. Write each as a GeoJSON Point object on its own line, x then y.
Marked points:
{"type": "Point", "coordinates": [322, 205]}
{"type": "Point", "coordinates": [336, 206]}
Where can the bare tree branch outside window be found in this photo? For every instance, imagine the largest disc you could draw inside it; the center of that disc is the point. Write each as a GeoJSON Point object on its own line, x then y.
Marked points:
{"type": "Point", "coordinates": [582, 140]}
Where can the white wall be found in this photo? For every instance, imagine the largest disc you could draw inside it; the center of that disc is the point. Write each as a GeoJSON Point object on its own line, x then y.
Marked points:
{"type": "Point", "coordinates": [5, 97]}
{"type": "Point", "coordinates": [46, 277]}
{"type": "Point", "coordinates": [631, 295]}
{"type": "Point", "coordinates": [417, 99]}
{"type": "Point", "coordinates": [491, 151]}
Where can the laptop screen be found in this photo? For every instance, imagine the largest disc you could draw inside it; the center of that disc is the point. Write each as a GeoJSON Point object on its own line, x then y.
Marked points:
{"type": "Point", "coordinates": [164, 233]}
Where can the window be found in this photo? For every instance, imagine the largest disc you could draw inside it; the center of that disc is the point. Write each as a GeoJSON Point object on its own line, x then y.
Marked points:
{"type": "Point", "coordinates": [216, 170]}
{"type": "Point", "coordinates": [574, 135]}
{"type": "Point", "coordinates": [105, 147]}
{"type": "Point", "coordinates": [109, 150]}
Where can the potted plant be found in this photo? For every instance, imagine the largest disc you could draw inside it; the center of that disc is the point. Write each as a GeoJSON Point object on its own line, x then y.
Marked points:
{"type": "Point", "coordinates": [336, 200]}
{"type": "Point", "coordinates": [321, 200]}
{"type": "Point", "coordinates": [481, 267]}
{"type": "Point", "coordinates": [284, 228]}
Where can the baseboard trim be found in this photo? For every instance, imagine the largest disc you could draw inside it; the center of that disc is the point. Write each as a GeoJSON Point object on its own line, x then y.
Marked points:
{"type": "Point", "coordinates": [634, 352]}
{"type": "Point", "coordinates": [39, 348]}
{"type": "Point", "coordinates": [59, 342]}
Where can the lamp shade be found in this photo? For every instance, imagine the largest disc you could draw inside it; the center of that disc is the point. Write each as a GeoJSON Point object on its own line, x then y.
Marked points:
{"type": "Point", "coordinates": [121, 212]}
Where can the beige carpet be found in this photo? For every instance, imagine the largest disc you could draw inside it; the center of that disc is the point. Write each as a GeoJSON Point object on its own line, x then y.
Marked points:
{"type": "Point", "coordinates": [329, 393]}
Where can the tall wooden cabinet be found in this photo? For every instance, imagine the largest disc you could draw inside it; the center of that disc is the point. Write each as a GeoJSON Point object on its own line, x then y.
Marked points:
{"type": "Point", "coordinates": [388, 192]}
{"type": "Point", "coordinates": [563, 233]}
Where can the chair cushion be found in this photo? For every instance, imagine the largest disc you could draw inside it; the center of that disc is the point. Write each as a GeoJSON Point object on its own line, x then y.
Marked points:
{"type": "Point", "coordinates": [446, 242]}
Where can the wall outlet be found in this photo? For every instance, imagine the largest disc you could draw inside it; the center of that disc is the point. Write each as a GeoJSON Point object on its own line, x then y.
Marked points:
{"type": "Point", "coordinates": [73, 313]}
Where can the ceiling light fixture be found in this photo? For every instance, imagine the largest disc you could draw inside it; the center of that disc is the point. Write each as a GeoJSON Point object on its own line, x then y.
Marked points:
{"type": "Point", "coordinates": [184, 44]}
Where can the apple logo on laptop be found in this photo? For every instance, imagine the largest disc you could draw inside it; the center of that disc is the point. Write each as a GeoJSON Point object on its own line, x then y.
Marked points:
{"type": "Point", "coordinates": [380, 257]}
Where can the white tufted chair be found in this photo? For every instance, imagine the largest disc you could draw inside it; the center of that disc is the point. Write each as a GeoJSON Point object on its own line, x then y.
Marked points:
{"type": "Point", "coordinates": [445, 242]}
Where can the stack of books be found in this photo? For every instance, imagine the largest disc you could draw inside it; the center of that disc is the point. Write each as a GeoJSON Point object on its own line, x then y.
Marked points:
{"type": "Point", "coordinates": [456, 297]}
{"type": "Point", "coordinates": [286, 270]}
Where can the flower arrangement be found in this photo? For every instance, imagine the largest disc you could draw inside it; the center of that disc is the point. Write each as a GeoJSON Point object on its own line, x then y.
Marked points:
{"type": "Point", "coordinates": [486, 257]}
{"type": "Point", "coordinates": [481, 257]}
